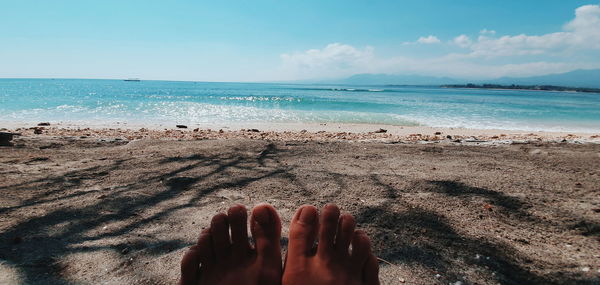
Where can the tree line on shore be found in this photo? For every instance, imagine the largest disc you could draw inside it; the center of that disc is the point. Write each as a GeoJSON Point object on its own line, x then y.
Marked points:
{"type": "Point", "coordinates": [524, 87]}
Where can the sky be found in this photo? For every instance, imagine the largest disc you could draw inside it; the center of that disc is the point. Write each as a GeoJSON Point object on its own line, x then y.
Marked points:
{"type": "Point", "coordinates": [295, 40]}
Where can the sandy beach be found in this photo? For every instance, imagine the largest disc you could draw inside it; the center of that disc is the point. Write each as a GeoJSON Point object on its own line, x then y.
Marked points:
{"type": "Point", "coordinates": [118, 205]}
{"type": "Point", "coordinates": [294, 131]}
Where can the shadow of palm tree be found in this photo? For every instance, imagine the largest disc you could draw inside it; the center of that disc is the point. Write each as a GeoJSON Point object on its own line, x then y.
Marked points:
{"type": "Point", "coordinates": [409, 234]}
{"type": "Point", "coordinates": [36, 245]}
{"type": "Point", "coordinates": [110, 218]}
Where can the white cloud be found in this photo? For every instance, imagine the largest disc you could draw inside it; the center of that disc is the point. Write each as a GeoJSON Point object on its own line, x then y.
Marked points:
{"type": "Point", "coordinates": [585, 28]}
{"type": "Point", "coordinates": [487, 32]}
{"type": "Point", "coordinates": [487, 56]}
{"type": "Point", "coordinates": [462, 41]}
{"type": "Point", "coordinates": [428, 40]}
{"type": "Point", "coordinates": [431, 39]}
{"type": "Point", "coordinates": [583, 32]}
{"type": "Point", "coordinates": [335, 59]}
{"type": "Point", "coordinates": [458, 68]}
{"type": "Point", "coordinates": [340, 60]}
{"type": "Point", "coordinates": [586, 17]}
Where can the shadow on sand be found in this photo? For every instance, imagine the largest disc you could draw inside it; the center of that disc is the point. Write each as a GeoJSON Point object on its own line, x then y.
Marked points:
{"type": "Point", "coordinates": [401, 233]}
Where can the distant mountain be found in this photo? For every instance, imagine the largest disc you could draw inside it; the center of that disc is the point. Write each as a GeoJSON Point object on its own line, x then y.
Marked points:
{"type": "Point", "coordinates": [391, 79]}
{"type": "Point", "coordinates": [578, 78]}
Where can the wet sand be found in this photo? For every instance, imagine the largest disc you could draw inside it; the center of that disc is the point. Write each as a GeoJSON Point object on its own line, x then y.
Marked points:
{"type": "Point", "coordinates": [120, 206]}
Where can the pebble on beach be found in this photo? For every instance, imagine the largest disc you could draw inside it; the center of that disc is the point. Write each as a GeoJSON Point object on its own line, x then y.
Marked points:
{"type": "Point", "coordinates": [319, 136]}
{"type": "Point", "coordinates": [5, 138]}
{"type": "Point", "coordinates": [535, 151]}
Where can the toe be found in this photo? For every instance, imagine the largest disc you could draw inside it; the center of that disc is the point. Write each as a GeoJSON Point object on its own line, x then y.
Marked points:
{"type": "Point", "coordinates": [265, 225]}
{"type": "Point", "coordinates": [361, 250]}
{"type": "Point", "coordinates": [328, 226]}
{"type": "Point", "coordinates": [371, 271]}
{"type": "Point", "coordinates": [219, 231]}
{"type": "Point", "coordinates": [303, 231]}
{"type": "Point", "coordinates": [345, 231]}
{"type": "Point", "coordinates": [199, 254]}
{"type": "Point", "coordinates": [238, 221]}
{"type": "Point", "coordinates": [205, 248]}
{"type": "Point", "coordinates": [190, 267]}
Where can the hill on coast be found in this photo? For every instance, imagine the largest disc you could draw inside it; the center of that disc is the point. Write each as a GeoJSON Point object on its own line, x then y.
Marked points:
{"type": "Point", "coordinates": [577, 78]}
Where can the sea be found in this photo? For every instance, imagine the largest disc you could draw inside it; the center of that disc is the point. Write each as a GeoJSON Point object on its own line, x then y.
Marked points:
{"type": "Point", "coordinates": [81, 101]}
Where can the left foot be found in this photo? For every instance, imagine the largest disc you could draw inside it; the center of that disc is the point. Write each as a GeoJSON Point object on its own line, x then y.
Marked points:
{"type": "Point", "coordinates": [218, 258]}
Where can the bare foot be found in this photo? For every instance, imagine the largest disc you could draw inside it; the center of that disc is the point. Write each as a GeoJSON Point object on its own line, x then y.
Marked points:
{"type": "Point", "coordinates": [331, 262]}
{"type": "Point", "coordinates": [219, 259]}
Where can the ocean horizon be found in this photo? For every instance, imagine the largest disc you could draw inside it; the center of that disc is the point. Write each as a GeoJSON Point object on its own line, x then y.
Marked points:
{"type": "Point", "coordinates": [82, 101]}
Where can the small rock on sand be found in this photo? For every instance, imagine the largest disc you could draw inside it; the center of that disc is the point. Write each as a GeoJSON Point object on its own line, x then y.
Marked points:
{"type": "Point", "coordinates": [181, 126]}
{"type": "Point", "coordinates": [437, 133]}
{"type": "Point", "coordinates": [5, 138]}
{"type": "Point", "coordinates": [381, 131]}
{"type": "Point", "coordinates": [535, 151]}
{"type": "Point", "coordinates": [44, 124]}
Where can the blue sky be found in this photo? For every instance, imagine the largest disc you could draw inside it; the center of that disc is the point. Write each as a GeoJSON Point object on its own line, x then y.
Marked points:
{"type": "Point", "coordinates": [295, 40]}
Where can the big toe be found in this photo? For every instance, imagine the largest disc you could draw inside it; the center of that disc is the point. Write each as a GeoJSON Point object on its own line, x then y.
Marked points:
{"type": "Point", "coordinates": [265, 225]}
{"type": "Point", "coordinates": [303, 231]}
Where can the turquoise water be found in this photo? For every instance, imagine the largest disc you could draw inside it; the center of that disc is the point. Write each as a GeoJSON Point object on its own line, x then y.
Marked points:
{"type": "Point", "coordinates": [166, 102]}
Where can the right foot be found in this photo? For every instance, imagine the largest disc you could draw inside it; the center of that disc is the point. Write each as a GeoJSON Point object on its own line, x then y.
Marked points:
{"type": "Point", "coordinates": [331, 262]}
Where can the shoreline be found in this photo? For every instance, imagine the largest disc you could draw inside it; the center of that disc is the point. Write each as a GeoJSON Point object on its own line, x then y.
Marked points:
{"type": "Point", "coordinates": [297, 131]}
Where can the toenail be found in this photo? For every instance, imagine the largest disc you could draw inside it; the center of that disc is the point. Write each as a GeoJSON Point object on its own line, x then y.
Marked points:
{"type": "Point", "coordinates": [263, 216]}
{"type": "Point", "coordinates": [331, 206]}
{"type": "Point", "coordinates": [307, 216]}
{"type": "Point", "coordinates": [346, 217]}
{"type": "Point", "coordinates": [220, 217]}
{"type": "Point", "coordinates": [237, 209]}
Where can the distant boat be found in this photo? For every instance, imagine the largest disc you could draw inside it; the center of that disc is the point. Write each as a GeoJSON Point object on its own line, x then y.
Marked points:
{"type": "Point", "coordinates": [132, 79]}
